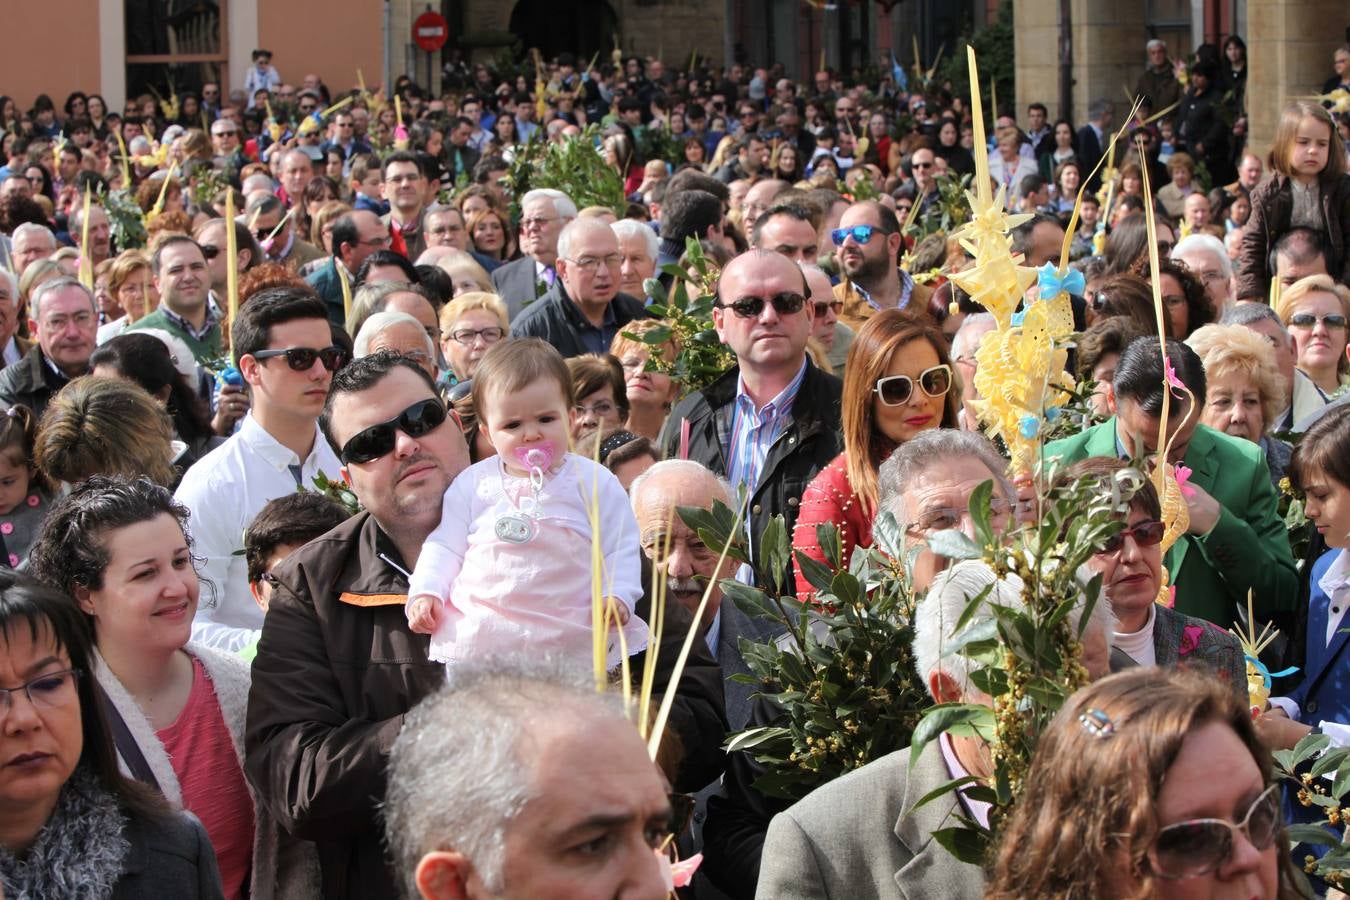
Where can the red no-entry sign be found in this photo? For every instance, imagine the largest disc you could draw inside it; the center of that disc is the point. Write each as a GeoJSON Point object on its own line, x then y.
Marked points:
{"type": "Point", "coordinates": [430, 31]}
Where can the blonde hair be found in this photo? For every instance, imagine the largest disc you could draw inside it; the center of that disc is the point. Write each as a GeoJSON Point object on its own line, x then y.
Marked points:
{"type": "Point", "coordinates": [1088, 815]}
{"type": "Point", "coordinates": [669, 349]}
{"type": "Point", "coordinates": [1181, 161]}
{"type": "Point", "coordinates": [1300, 290]}
{"type": "Point", "coordinates": [124, 265]}
{"type": "Point", "coordinates": [1281, 153]}
{"type": "Point", "coordinates": [331, 211]}
{"type": "Point", "coordinates": [105, 426]}
{"type": "Point", "coordinates": [468, 302]}
{"type": "Point", "coordinates": [1226, 349]}
{"type": "Point", "coordinates": [464, 265]}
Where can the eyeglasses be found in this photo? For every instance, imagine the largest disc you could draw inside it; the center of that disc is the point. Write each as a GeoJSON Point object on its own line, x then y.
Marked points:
{"type": "Point", "coordinates": [225, 132]}
{"type": "Point", "coordinates": [942, 518]}
{"type": "Point", "coordinates": [537, 221]}
{"type": "Point", "coordinates": [824, 306]}
{"type": "Point", "coordinates": [896, 390]}
{"type": "Point", "coordinates": [785, 304]}
{"type": "Point", "coordinates": [860, 233]}
{"type": "Point", "coordinates": [921, 165]}
{"type": "Point", "coordinates": [376, 441]}
{"type": "Point", "coordinates": [589, 264]}
{"type": "Point", "coordinates": [1195, 847]}
{"type": "Point", "coordinates": [467, 336]}
{"type": "Point", "coordinates": [599, 410]}
{"type": "Point", "coordinates": [1308, 320]}
{"type": "Point", "coordinates": [51, 691]}
{"type": "Point", "coordinates": [301, 359]}
{"type": "Point", "coordinates": [1145, 534]}
{"type": "Point", "coordinates": [210, 251]}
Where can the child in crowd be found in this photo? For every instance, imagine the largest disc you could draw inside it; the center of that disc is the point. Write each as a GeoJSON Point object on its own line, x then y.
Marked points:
{"type": "Point", "coordinates": [1308, 188]}
{"type": "Point", "coordinates": [509, 567]}
{"type": "Point", "coordinates": [24, 497]}
{"type": "Point", "coordinates": [281, 527]}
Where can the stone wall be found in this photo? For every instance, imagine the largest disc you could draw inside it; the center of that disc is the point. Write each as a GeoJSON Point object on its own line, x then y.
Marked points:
{"type": "Point", "coordinates": [1289, 45]}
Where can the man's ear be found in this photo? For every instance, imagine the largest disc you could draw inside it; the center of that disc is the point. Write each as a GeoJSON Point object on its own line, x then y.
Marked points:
{"type": "Point", "coordinates": [444, 875]}
{"type": "Point", "coordinates": [1111, 398]}
{"type": "Point", "coordinates": [33, 328]}
{"type": "Point", "coordinates": [894, 242]}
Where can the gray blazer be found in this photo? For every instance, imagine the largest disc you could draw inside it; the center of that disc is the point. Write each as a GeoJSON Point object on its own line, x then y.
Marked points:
{"type": "Point", "coordinates": [855, 838]}
{"type": "Point", "coordinates": [168, 858]}
{"type": "Point", "coordinates": [516, 285]}
{"type": "Point", "coordinates": [732, 626]}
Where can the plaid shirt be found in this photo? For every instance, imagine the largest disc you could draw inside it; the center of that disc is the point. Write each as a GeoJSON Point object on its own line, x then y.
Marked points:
{"type": "Point", "coordinates": [752, 432]}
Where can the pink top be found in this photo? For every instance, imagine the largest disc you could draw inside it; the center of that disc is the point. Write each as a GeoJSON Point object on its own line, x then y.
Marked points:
{"type": "Point", "coordinates": [203, 758]}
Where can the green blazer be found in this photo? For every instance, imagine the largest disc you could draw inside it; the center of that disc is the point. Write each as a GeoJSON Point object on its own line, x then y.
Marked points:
{"type": "Point", "coordinates": [1248, 548]}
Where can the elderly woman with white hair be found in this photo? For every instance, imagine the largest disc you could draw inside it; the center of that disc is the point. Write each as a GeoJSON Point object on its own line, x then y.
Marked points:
{"type": "Point", "coordinates": [1245, 391]}
{"type": "Point", "coordinates": [399, 332]}
{"type": "Point", "coordinates": [868, 828]}
{"type": "Point", "coordinates": [1208, 260]}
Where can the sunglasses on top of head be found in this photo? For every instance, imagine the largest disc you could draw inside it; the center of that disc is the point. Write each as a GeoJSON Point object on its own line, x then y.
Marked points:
{"type": "Point", "coordinates": [301, 359]}
{"type": "Point", "coordinates": [896, 390]}
{"type": "Point", "coordinates": [785, 304]}
{"type": "Point", "coordinates": [378, 440]}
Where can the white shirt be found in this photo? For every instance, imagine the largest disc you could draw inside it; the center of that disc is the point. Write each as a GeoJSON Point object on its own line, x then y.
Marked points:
{"type": "Point", "coordinates": [978, 809]}
{"type": "Point", "coordinates": [12, 354]}
{"type": "Point", "coordinates": [1139, 645]}
{"type": "Point", "coordinates": [224, 491]}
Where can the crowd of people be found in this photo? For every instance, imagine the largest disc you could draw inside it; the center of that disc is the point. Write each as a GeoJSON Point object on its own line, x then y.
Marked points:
{"type": "Point", "coordinates": [322, 517]}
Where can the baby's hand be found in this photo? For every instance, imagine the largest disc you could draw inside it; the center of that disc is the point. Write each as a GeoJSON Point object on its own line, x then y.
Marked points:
{"type": "Point", "coordinates": [621, 610]}
{"type": "Point", "coordinates": [424, 614]}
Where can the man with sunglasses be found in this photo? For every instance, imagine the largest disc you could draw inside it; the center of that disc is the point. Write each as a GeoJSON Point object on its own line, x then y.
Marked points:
{"type": "Point", "coordinates": [771, 423]}
{"type": "Point", "coordinates": [869, 242]}
{"type": "Point", "coordinates": [283, 348]}
{"type": "Point", "coordinates": [338, 668]}
{"type": "Point", "coordinates": [274, 228]}
{"type": "Point", "coordinates": [1236, 541]}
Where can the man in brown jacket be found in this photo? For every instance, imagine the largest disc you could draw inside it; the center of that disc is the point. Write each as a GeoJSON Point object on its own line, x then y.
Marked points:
{"type": "Point", "coordinates": [337, 666]}
{"type": "Point", "coordinates": [870, 244]}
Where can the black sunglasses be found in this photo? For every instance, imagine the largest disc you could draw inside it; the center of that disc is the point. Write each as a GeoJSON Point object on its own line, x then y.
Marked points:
{"type": "Point", "coordinates": [1145, 534]}
{"type": "Point", "coordinates": [897, 389]}
{"type": "Point", "coordinates": [301, 359]}
{"type": "Point", "coordinates": [378, 440]}
{"type": "Point", "coordinates": [785, 304]}
{"type": "Point", "coordinates": [210, 251]}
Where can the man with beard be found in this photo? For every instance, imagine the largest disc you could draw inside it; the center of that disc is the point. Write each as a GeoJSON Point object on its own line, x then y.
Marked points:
{"type": "Point", "coordinates": [869, 242]}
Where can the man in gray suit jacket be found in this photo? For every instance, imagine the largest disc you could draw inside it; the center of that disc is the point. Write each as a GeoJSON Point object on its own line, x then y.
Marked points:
{"type": "Point", "coordinates": [543, 213]}
{"type": "Point", "coordinates": [859, 836]}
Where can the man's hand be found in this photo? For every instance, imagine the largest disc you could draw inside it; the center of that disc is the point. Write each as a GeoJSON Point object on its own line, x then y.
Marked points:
{"type": "Point", "coordinates": [424, 614]}
{"type": "Point", "coordinates": [1279, 732]}
{"type": "Point", "coordinates": [231, 406]}
{"type": "Point", "coordinates": [1204, 509]}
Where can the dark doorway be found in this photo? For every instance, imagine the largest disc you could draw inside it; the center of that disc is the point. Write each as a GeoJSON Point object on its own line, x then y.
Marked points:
{"type": "Point", "coordinates": [579, 27]}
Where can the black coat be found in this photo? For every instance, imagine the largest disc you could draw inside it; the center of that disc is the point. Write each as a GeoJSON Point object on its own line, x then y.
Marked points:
{"type": "Point", "coordinates": [806, 446]}
{"type": "Point", "coordinates": [556, 319]}
{"type": "Point", "coordinates": [1200, 125]}
{"type": "Point", "coordinates": [30, 381]}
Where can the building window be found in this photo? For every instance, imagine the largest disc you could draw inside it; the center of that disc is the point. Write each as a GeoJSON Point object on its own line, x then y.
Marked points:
{"type": "Point", "coordinates": [175, 45]}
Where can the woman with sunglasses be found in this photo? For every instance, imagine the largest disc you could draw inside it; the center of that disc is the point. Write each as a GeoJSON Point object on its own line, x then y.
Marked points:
{"type": "Point", "coordinates": [1122, 799]}
{"type": "Point", "coordinates": [1316, 311]}
{"type": "Point", "coordinates": [1130, 564]}
{"type": "Point", "coordinates": [120, 547]}
{"type": "Point", "coordinates": [75, 825]}
{"type": "Point", "coordinates": [897, 383]}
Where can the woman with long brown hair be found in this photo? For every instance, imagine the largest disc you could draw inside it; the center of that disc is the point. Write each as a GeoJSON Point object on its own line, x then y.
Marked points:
{"type": "Point", "coordinates": [897, 383]}
{"type": "Point", "coordinates": [1122, 798]}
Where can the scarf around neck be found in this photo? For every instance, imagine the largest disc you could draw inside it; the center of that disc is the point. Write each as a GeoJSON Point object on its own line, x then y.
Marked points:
{"type": "Point", "coordinates": [78, 854]}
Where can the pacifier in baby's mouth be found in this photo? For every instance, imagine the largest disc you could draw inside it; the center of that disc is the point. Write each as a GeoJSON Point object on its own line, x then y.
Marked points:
{"type": "Point", "coordinates": [536, 456]}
